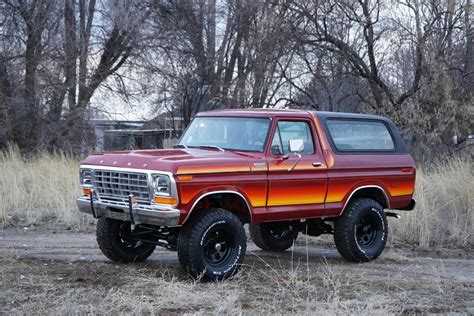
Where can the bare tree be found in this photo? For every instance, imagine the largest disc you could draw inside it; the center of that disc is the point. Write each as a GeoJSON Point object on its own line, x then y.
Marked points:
{"type": "Point", "coordinates": [361, 50]}
{"type": "Point", "coordinates": [410, 60]}
{"type": "Point", "coordinates": [469, 55]}
{"type": "Point", "coordinates": [59, 40]}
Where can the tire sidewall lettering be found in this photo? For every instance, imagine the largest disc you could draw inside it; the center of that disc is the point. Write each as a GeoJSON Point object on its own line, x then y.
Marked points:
{"type": "Point", "coordinates": [198, 236]}
{"type": "Point", "coordinates": [381, 221]}
{"type": "Point", "coordinates": [209, 228]}
{"type": "Point", "coordinates": [232, 265]}
{"type": "Point", "coordinates": [383, 230]}
{"type": "Point", "coordinates": [238, 251]}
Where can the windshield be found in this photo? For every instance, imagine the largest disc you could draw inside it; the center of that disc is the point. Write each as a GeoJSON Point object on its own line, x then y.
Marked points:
{"type": "Point", "coordinates": [233, 133]}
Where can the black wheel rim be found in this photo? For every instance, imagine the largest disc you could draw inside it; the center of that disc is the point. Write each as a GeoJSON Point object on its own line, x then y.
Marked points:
{"type": "Point", "coordinates": [367, 231]}
{"type": "Point", "coordinates": [125, 230]}
{"type": "Point", "coordinates": [217, 246]}
{"type": "Point", "coordinates": [280, 231]}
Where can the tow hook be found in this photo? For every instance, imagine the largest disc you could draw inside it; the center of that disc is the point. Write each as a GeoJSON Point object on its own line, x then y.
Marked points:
{"type": "Point", "coordinates": [132, 200]}
{"type": "Point", "coordinates": [91, 196]}
{"type": "Point", "coordinates": [393, 214]}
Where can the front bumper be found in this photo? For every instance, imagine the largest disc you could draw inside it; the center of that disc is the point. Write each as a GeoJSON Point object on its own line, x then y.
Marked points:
{"type": "Point", "coordinates": [142, 214]}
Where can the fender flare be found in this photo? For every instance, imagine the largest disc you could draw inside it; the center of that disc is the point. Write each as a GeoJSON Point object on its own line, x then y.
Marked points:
{"type": "Point", "coordinates": [366, 187]}
{"type": "Point", "coordinates": [219, 192]}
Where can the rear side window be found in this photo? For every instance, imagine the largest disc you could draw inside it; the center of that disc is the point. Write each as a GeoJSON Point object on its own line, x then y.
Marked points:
{"type": "Point", "coordinates": [360, 135]}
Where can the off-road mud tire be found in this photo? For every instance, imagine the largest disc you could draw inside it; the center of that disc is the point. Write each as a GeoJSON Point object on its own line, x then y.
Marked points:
{"type": "Point", "coordinates": [201, 234]}
{"type": "Point", "coordinates": [263, 237]}
{"type": "Point", "coordinates": [108, 233]}
{"type": "Point", "coordinates": [361, 232]}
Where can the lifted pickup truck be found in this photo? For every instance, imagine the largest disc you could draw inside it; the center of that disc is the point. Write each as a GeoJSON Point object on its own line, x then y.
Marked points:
{"type": "Point", "coordinates": [283, 172]}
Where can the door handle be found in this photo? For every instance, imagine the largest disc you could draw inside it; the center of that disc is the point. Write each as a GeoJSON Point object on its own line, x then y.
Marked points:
{"type": "Point", "coordinates": [317, 164]}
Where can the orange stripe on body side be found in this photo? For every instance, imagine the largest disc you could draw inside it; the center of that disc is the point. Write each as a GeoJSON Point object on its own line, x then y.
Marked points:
{"type": "Point", "coordinates": [255, 191]}
{"type": "Point", "coordinates": [306, 192]}
{"type": "Point", "coordinates": [213, 169]}
{"type": "Point", "coordinates": [339, 188]}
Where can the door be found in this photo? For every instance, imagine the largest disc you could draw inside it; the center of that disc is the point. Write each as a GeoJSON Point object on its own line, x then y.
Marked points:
{"type": "Point", "coordinates": [297, 182]}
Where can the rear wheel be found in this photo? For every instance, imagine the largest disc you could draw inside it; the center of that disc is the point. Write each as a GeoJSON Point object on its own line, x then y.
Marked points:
{"type": "Point", "coordinates": [361, 232]}
{"type": "Point", "coordinates": [212, 244]}
{"type": "Point", "coordinates": [273, 236]}
{"type": "Point", "coordinates": [115, 243]}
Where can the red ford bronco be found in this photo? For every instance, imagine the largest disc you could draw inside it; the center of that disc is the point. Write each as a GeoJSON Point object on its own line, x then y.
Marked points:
{"type": "Point", "coordinates": [283, 172]}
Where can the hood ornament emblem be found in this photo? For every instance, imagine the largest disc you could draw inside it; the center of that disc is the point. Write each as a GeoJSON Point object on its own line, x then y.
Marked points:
{"type": "Point", "coordinates": [129, 164]}
{"type": "Point", "coordinates": [145, 165]}
{"type": "Point", "coordinates": [101, 161]}
{"type": "Point", "coordinates": [114, 163]}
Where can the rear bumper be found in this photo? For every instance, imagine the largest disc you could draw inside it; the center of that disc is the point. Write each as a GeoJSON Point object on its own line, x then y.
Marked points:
{"type": "Point", "coordinates": [142, 214]}
{"type": "Point", "coordinates": [410, 206]}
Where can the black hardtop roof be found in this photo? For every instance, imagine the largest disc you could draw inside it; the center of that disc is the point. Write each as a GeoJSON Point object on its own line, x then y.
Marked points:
{"type": "Point", "coordinates": [323, 114]}
{"type": "Point", "coordinates": [272, 112]}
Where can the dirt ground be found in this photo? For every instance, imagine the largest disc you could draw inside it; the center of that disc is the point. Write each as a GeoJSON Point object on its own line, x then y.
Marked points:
{"type": "Point", "coordinates": [64, 272]}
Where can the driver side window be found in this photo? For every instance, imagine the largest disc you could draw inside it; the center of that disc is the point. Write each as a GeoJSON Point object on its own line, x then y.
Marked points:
{"type": "Point", "coordinates": [287, 130]}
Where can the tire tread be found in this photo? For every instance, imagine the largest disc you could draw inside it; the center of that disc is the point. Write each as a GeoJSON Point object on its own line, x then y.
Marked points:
{"type": "Point", "coordinates": [261, 237]}
{"type": "Point", "coordinates": [105, 233]}
{"type": "Point", "coordinates": [191, 233]}
{"type": "Point", "coordinates": [344, 230]}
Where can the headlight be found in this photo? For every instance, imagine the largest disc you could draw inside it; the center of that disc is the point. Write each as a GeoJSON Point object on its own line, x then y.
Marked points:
{"type": "Point", "coordinates": [85, 176]}
{"type": "Point", "coordinates": [162, 185]}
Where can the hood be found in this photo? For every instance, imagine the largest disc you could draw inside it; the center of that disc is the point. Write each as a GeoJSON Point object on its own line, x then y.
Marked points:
{"type": "Point", "coordinates": [177, 161]}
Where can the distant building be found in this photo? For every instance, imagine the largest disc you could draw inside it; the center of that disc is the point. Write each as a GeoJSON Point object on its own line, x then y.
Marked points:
{"type": "Point", "coordinates": [127, 135]}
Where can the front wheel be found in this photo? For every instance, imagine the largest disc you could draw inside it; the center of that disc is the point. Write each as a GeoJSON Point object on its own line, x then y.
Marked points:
{"type": "Point", "coordinates": [212, 244]}
{"type": "Point", "coordinates": [113, 237]}
{"type": "Point", "coordinates": [361, 232]}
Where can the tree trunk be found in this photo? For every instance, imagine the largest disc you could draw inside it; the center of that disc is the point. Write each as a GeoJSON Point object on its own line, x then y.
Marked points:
{"type": "Point", "coordinates": [28, 130]}
{"type": "Point", "coordinates": [241, 26]}
{"type": "Point", "coordinates": [469, 59]}
{"type": "Point", "coordinates": [86, 16]}
{"type": "Point", "coordinates": [70, 49]}
{"type": "Point", "coordinates": [211, 43]}
{"type": "Point", "coordinates": [5, 104]}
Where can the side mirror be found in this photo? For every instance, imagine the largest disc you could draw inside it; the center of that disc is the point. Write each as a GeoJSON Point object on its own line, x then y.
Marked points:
{"type": "Point", "coordinates": [275, 150]}
{"type": "Point", "coordinates": [296, 145]}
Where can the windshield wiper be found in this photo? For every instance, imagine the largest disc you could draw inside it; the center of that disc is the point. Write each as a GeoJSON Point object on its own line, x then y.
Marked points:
{"type": "Point", "coordinates": [180, 146]}
{"type": "Point", "coordinates": [210, 146]}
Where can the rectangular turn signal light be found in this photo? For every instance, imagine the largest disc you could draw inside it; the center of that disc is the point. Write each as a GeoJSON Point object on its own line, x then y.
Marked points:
{"type": "Point", "coordinates": [185, 178]}
{"type": "Point", "coordinates": [165, 200]}
{"type": "Point", "coordinates": [86, 191]}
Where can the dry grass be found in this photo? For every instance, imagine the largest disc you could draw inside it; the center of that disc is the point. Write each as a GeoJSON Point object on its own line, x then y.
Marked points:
{"type": "Point", "coordinates": [64, 273]}
{"type": "Point", "coordinates": [45, 287]}
{"type": "Point", "coordinates": [44, 189]}
{"type": "Point", "coordinates": [40, 190]}
{"type": "Point", "coordinates": [444, 214]}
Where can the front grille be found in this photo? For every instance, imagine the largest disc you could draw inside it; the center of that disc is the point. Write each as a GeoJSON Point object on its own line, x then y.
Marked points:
{"type": "Point", "coordinates": [118, 185]}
